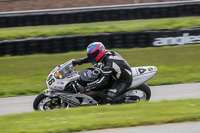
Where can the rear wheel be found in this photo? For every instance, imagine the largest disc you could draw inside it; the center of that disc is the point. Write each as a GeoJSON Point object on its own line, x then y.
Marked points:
{"type": "Point", "coordinates": [140, 93]}
{"type": "Point", "coordinates": [44, 103]}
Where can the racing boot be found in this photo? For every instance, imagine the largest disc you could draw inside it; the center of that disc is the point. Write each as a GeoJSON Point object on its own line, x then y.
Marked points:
{"type": "Point", "coordinates": [120, 99]}
{"type": "Point", "coordinates": [113, 98]}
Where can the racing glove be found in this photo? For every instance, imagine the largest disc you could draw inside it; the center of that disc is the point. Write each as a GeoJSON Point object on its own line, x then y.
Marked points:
{"type": "Point", "coordinates": [76, 62]}
{"type": "Point", "coordinates": [84, 89]}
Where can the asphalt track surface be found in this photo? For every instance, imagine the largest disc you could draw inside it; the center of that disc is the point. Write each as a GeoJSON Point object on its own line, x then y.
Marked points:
{"type": "Point", "coordinates": [165, 92]}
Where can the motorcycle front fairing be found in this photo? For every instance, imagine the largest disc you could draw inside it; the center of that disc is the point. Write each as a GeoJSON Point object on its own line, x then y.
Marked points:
{"type": "Point", "coordinates": [57, 83]}
{"type": "Point", "coordinates": [61, 76]}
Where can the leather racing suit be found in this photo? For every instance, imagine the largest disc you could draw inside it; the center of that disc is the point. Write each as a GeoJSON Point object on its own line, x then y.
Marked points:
{"type": "Point", "coordinates": [116, 67]}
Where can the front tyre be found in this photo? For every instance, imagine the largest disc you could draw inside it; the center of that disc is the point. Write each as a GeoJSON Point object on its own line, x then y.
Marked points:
{"type": "Point", "coordinates": [140, 93]}
{"type": "Point", "coordinates": [45, 103]}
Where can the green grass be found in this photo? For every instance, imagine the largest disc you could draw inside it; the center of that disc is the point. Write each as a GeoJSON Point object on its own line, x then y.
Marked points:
{"type": "Point", "coordinates": [102, 117]}
{"type": "Point", "coordinates": [26, 75]}
{"type": "Point", "coordinates": [99, 27]}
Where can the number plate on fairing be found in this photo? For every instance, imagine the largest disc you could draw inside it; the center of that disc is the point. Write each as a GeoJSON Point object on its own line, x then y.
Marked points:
{"type": "Point", "coordinates": [143, 70]}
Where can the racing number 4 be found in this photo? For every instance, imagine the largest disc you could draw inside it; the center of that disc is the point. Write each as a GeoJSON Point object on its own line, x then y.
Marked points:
{"type": "Point", "coordinates": [141, 70]}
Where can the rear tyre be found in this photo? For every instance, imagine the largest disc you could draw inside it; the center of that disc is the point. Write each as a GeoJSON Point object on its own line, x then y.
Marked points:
{"type": "Point", "coordinates": [140, 93]}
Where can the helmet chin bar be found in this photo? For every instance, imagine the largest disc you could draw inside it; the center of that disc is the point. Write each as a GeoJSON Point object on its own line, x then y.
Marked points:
{"type": "Point", "coordinates": [102, 58]}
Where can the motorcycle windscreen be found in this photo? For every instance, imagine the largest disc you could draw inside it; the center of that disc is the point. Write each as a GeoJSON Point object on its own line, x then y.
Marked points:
{"type": "Point", "coordinates": [66, 70]}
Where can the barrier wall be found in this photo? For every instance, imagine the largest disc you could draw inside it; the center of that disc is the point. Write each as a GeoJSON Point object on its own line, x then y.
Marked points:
{"type": "Point", "coordinates": [146, 38]}
{"type": "Point", "coordinates": [99, 14]}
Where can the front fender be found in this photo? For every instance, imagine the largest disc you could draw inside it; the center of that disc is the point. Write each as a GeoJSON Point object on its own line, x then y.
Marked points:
{"type": "Point", "coordinates": [48, 92]}
{"type": "Point", "coordinates": [54, 93]}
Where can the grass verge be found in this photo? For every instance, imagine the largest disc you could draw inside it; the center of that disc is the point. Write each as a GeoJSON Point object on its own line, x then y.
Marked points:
{"type": "Point", "coordinates": [102, 117]}
{"type": "Point", "coordinates": [98, 27]}
{"type": "Point", "coordinates": [26, 75]}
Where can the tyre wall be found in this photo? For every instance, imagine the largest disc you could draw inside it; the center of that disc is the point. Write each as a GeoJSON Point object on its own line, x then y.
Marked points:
{"type": "Point", "coordinates": [146, 38]}
{"type": "Point", "coordinates": [112, 13]}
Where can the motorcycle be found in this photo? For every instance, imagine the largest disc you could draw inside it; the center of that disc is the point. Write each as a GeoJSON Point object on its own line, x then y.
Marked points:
{"type": "Point", "coordinates": [64, 81]}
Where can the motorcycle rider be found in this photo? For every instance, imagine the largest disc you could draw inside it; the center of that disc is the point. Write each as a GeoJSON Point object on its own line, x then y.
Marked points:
{"type": "Point", "coordinates": [113, 66]}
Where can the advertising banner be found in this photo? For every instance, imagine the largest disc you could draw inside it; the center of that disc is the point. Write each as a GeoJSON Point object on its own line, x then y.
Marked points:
{"type": "Point", "coordinates": [175, 37]}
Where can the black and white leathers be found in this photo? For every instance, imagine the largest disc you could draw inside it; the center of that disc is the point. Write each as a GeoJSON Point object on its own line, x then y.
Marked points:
{"type": "Point", "coordinates": [116, 67]}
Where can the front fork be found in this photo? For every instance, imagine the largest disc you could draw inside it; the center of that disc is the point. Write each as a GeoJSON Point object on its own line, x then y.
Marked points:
{"type": "Point", "coordinates": [56, 100]}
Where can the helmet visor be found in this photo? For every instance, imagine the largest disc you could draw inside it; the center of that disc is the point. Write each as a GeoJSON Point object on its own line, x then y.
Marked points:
{"type": "Point", "coordinates": [92, 56]}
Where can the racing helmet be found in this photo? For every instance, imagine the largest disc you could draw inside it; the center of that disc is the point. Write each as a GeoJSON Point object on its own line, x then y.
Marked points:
{"type": "Point", "coordinates": [96, 52]}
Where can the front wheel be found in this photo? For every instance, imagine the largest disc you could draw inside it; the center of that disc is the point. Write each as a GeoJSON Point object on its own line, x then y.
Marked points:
{"type": "Point", "coordinates": [140, 93]}
{"type": "Point", "coordinates": [45, 103]}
